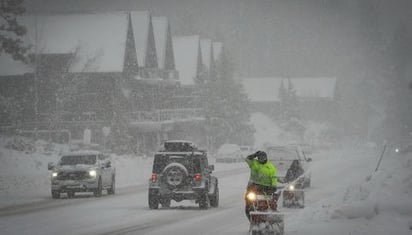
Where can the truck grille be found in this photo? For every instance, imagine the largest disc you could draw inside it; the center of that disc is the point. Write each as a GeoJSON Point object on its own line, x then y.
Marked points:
{"type": "Point", "coordinates": [73, 175]}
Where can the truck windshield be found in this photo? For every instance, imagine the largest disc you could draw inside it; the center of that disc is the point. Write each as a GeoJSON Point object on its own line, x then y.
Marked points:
{"type": "Point", "coordinates": [78, 159]}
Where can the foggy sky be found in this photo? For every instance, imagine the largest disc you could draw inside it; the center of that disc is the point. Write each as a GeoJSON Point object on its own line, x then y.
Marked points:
{"type": "Point", "coordinates": [274, 38]}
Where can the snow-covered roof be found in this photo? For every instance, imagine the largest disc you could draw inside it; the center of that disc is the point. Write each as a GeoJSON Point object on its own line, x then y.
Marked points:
{"type": "Point", "coordinates": [10, 67]}
{"type": "Point", "coordinates": [217, 50]}
{"type": "Point", "coordinates": [81, 153]}
{"type": "Point", "coordinates": [160, 28]}
{"type": "Point", "coordinates": [99, 38]}
{"type": "Point", "coordinates": [206, 47]}
{"type": "Point", "coordinates": [142, 32]}
{"type": "Point", "coordinates": [267, 89]}
{"type": "Point", "coordinates": [187, 49]}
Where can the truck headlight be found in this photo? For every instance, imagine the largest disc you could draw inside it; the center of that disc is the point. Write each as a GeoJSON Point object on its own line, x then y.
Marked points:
{"type": "Point", "coordinates": [251, 196]}
{"type": "Point", "coordinates": [54, 174]}
{"type": "Point", "coordinates": [92, 173]}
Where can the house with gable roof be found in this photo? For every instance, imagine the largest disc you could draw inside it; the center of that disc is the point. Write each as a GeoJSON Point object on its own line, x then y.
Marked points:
{"type": "Point", "coordinates": [188, 59]}
{"type": "Point", "coordinates": [164, 48]}
{"type": "Point", "coordinates": [79, 48]}
{"type": "Point", "coordinates": [207, 57]}
{"type": "Point", "coordinates": [114, 76]}
{"type": "Point", "coordinates": [141, 23]}
{"type": "Point", "coordinates": [217, 49]}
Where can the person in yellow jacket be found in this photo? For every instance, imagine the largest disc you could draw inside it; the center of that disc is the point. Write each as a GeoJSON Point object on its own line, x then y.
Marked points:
{"type": "Point", "coordinates": [263, 177]}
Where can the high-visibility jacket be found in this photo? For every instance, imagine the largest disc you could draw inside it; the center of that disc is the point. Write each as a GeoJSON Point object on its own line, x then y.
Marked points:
{"type": "Point", "coordinates": [263, 174]}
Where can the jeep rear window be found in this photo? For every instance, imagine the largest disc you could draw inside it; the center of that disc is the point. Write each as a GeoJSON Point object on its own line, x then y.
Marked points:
{"type": "Point", "coordinates": [78, 159]}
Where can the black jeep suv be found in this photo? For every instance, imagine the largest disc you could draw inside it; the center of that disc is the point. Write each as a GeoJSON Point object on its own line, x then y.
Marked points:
{"type": "Point", "coordinates": [181, 172]}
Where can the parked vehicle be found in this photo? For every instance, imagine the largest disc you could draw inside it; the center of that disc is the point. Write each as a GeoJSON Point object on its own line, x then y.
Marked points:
{"type": "Point", "coordinates": [83, 171]}
{"type": "Point", "coordinates": [293, 172]}
{"type": "Point", "coordinates": [181, 172]}
{"type": "Point", "coordinates": [246, 150]}
{"type": "Point", "coordinates": [229, 153]}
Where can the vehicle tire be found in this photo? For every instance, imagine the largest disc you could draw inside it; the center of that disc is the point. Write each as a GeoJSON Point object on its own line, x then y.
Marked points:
{"type": "Point", "coordinates": [98, 190]}
{"type": "Point", "coordinates": [175, 175]}
{"type": "Point", "coordinates": [214, 199]}
{"type": "Point", "coordinates": [165, 202]}
{"type": "Point", "coordinates": [153, 202]}
{"type": "Point", "coordinates": [55, 194]}
{"type": "Point", "coordinates": [204, 201]}
{"type": "Point", "coordinates": [70, 194]}
{"type": "Point", "coordinates": [112, 189]}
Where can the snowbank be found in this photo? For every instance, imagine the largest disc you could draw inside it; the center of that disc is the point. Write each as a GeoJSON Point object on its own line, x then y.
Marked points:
{"type": "Point", "coordinates": [344, 201]}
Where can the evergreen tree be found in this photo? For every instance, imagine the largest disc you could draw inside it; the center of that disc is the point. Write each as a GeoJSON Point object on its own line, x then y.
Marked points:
{"type": "Point", "coordinates": [11, 31]}
{"type": "Point", "coordinates": [289, 110]}
{"type": "Point", "coordinates": [226, 108]}
{"type": "Point", "coordinates": [282, 100]}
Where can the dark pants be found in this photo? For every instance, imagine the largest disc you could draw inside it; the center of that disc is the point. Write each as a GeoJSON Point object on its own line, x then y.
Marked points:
{"type": "Point", "coordinates": [258, 189]}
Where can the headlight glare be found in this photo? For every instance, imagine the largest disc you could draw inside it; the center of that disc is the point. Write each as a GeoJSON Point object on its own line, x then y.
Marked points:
{"type": "Point", "coordinates": [54, 174]}
{"type": "Point", "coordinates": [251, 196]}
{"type": "Point", "coordinates": [291, 187]}
{"type": "Point", "coordinates": [92, 173]}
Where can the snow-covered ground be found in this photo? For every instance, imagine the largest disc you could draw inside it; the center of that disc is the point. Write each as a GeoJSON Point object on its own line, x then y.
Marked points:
{"type": "Point", "coordinates": [346, 196]}
{"type": "Point", "coordinates": [24, 177]}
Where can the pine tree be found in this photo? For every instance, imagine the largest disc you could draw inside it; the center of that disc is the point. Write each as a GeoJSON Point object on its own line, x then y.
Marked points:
{"type": "Point", "coordinates": [282, 100]}
{"type": "Point", "coordinates": [289, 110]}
{"type": "Point", "coordinates": [226, 108]}
{"type": "Point", "coordinates": [11, 31]}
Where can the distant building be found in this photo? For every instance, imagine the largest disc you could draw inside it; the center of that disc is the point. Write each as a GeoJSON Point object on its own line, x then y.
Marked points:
{"type": "Point", "coordinates": [65, 48]}
{"type": "Point", "coordinates": [316, 95]}
{"type": "Point", "coordinates": [117, 70]}
{"type": "Point", "coordinates": [188, 58]}
{"type": "Point", "coordinates": [208, 61]}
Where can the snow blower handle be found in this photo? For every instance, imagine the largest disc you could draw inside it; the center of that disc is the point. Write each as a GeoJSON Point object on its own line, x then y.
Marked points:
{"type": "Point", "coordinates": [380, 158]}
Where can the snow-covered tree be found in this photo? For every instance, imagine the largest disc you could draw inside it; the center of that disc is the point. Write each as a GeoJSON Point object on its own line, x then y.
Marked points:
{"type": "Point", "coordinates": [226, 107]}
{"type": "Point", "coordinates": [67, 83]}
{"type": "Point", "coordinates": [289, 109]}
{"type": "Point", "coordinates": [11, 31]}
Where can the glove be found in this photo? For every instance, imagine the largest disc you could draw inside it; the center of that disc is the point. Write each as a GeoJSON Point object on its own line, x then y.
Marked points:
{"type": "Point", "coordinates": [251, 156]}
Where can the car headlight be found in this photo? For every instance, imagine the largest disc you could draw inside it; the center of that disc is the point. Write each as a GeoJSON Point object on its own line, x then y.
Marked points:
{"type": "Point", "coordinates": [92, 173]}
{"type": "Point", "coordinates": [251, 196]}
{"type": "Point", "coordinates": [54, 174]}
{"type": "Point", "coordinates": [291, 187]}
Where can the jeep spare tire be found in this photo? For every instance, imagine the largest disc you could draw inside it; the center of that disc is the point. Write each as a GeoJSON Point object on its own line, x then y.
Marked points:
{"type": "Point", "coordinates": [175, 174]}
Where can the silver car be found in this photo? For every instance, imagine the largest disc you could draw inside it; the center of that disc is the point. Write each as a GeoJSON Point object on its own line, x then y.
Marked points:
{"type": "Point", "coordinates": [83, 171]}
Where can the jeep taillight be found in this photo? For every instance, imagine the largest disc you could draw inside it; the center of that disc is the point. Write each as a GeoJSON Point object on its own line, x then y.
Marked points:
{"type": "Point", "coordinates": [198, 177]}
{"type": "Point", "coordinates": [153, 178]}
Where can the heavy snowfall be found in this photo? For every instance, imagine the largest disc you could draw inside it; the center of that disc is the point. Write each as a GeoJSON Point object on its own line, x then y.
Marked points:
{"type": "Point", "coordinates": [347, 196]}
{"type": "Point", "coordinates": [331, 78]}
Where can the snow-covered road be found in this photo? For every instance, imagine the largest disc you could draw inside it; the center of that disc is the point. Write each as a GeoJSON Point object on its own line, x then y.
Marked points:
{"type": "Point", "coordinates": [127, 213]}
{"type": "Point", "coordinates": [340, 201]}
